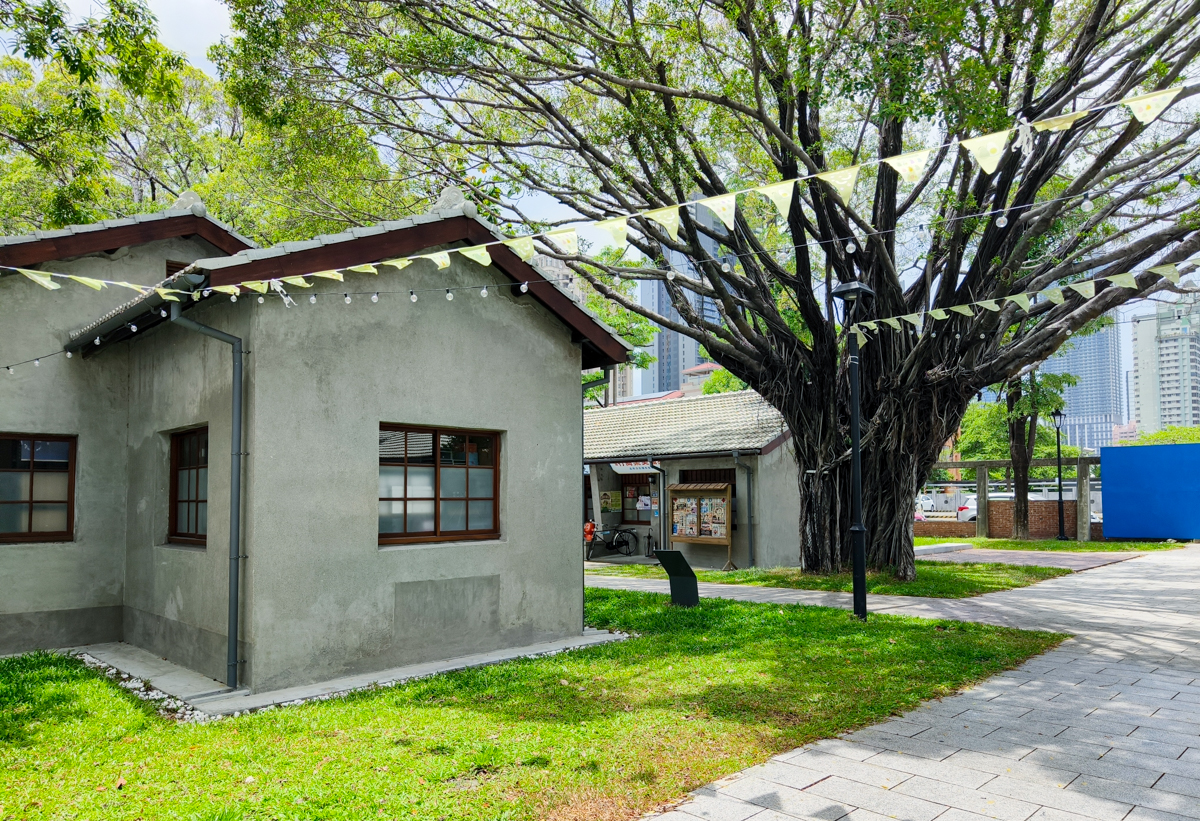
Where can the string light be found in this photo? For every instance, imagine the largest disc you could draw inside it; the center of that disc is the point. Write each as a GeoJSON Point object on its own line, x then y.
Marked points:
{"type": "Point", "coordinates": [1002, 221]}
{"type": "Point", "coordinates": [261, 300]}
{"type": "Point", "coordinates": [312, 300]}
{"type": "Point", "coordinates": [37, 363]}
{"type": "Point", "coordinates": [670, 273]}
{"type": "Point", "coordinates": [851, 247]}
{"type": "Point", "coordinates": [375, 297]}
{"type": "Point", "coordinates": [96, 341]}
{"type": "Point", "coordinates": [347, 298]}
{"type": "Point", "coordinates": [207, 292]}
{"type": "Point", "coordinates": [233, 297]}
{"type": "Point", "coordinates": [725, 269]}
{"type": "Point", "coordinates": [132, 328]}
{"type": "Point", "coordinates": [162, 312]}
{"type": "Point", "coordinates": [524, 287]}
{"type": "Point", "coordinates": [449, 295]}
{"type": "Point", "coordinates": [412, 296]}
{"type": "Point", "coordinates": [483, 291]}
{"type": "Point", "coordinates": [68, 354]}
{"type": "Point", "coordinates": [1087, 206]}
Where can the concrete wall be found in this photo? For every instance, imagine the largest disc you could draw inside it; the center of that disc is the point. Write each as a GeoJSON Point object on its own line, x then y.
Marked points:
{"type": "Point", "coordinates": [329, 600]}
{"type": "Point", "coordinates": [66, 593]}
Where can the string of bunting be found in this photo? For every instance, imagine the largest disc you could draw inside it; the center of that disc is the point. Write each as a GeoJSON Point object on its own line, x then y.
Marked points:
{"type": "Point", "coordinates": [1085, 288]}
{"type": "Point", "coordinates": [987, 150]}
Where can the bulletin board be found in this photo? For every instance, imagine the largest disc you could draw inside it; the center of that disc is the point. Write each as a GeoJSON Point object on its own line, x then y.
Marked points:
{"type": "Point", "coordinates": [701, 513]}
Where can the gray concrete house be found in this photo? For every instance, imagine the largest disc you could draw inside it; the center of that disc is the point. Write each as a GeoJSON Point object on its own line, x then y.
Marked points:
{"type": "Point", "coordinates": [406, 475]}
{"type": "Point", "coordinates": [734, 438]}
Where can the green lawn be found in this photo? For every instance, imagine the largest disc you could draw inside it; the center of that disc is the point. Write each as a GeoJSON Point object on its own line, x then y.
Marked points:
{"type": "Point", "coordinates": [1054, 544]}
{"type": "Point", "coordinates": [940, 580]}
{"type": "Point", "coordinates": [602, 733]}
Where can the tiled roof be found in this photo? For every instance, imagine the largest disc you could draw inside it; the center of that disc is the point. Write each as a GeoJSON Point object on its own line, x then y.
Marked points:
{"type": "Point", "coordinates": [136, 219]}
{"type": "Point", "coordinates": [701, 424]}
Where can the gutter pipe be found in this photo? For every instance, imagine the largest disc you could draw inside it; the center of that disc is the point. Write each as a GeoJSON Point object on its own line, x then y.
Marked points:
{"type": "Point", "coordinates": [235, 483]}
{"type": "Point", "coordinates": [663, 544]}
{"type": "Point", "coordinates": [749, 504]}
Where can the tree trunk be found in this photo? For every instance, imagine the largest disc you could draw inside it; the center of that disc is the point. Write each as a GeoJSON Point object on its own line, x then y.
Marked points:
{"type": "Point", "coordinates": [1022, 435]}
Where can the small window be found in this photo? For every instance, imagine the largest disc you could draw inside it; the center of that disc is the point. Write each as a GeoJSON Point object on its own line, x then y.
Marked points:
{"type": "Point", "coordinates": [189, 487]}
{"type": "Point", "coordinates": [635, 491]}
{"type": "Point", "coordinates": [37, 488]}
{"type": "Point", "coordinates": [438, 485]}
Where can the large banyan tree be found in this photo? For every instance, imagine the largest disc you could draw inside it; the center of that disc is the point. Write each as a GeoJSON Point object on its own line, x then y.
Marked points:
{"type": "Point", "coordinates": [556, 111]}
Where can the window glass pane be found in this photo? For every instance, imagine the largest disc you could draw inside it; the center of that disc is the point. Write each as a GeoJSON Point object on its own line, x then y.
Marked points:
{"type": "Point", "coordinates": [186, 450]}
{"type": "Point", "coordinates": [14, 518]}
{"type": "Point", "coordinates": [191, 518]}
{"type": "Point", "coordinates": [202, 518]}
{"type": "Point", "coordinates": [643, 515]}
{"type": "Point", "coordinates": [49, 518]}
{"type": "Point", "coordinates": [14, 454]}
{"type": "Point", "coordinates": [202, 448]}
{"type": "Point", "coordinates": [51, 455]}
{"type": "Point", "coordinates": [454, 516]}
{"type": "Point", "coordinates": [420, 448]}
{"type": "Point", "coordinates": [454, 449]}
{"type": "Point", "coordinates": [454, 483]}
{"type": "Point", "coordinates": [420, 483]}
{"type": "Point", "coordinates": [481, 515]}
{"type": "Point", "coordinates": [391, 483]}
{"type": "Point", "coordinates": [481, 483]}
{"type": "Point", "coordinates": [184, 485]}
{"type": "Point", "coordinates": [391, 446]}
{"type": "Point", "coordinates": [50, 487]}
{"type": "Point", "coordinates": [14, 487]}
{"type": "Point", "coordinates": [181, 514]}
{"type": "Point", "coordinates": [420, 517]}
{"type": "Point", "coordinates": [202, 483]}
{"type": "Point", "coordinates": [391, 517]}
{"type": "Point", "coordinates": [483, 451]}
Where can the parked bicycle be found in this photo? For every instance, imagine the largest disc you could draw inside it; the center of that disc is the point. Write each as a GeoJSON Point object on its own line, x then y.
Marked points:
{"type": "Point", "coordinates": [619, 539]}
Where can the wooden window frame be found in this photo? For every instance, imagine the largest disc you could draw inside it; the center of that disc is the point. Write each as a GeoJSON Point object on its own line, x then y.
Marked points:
{"type": "Point", "coordinates": [67, 535]}
{"type": "Point", "coordinates": [637, 480]}
{"type": "Point", "coordinates": [173, 534]}
{"type": "Point", "coordinates": [455, 535]}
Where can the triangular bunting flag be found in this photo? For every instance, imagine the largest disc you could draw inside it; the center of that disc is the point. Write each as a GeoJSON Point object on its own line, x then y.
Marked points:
{"type": "Point", "coordinates": [337, 275]}
{"type": "Point", "coordinates": [1020, 300]}
{"type": "Point", "coordinates": [909, 166]}
{"type": "Point", "coordinates": [912, 319]}
{"type": "Point", "coordinates": [1087, 289]}
{"type": "Point", "coordinates": [477, 253]}
{"type": "Point", "coordinates": [94, 284]}
{"type": "Point", "coordinates": [779, 193]}
{"type": "Point", "coordinates": [891, 322]}
{"type": "Point", "coordinates": [938, 313]}
{"type": "Point", "coordinates": [364, 269]}
{"type": "Point", "coordinates": [299, 282]}
{"type": "Point", "coordinates": [522, 247]}
{"type": "Point", "coordinates": [1123, 280]}
{"type": "Point", "coordinates": [256, 285]}
{"type": "Point", "coordinates": [131, 286]}
{"type": "Point", "coordinates": [1170, 271]}
{"type": "Point", "coordinates": [45, 280]}
{"type": "Point", "coordinates": [870, 326]}
{"type": "Point", "coordinates": [167, 294]}
{"type": "Point", "coordinates": [842, 181]}
{"type": "Point", "coordinates": [989, 304]}
{"type": "Point", "coordinates": [1147, 107]}
{"type": "Point", "coordinates": [987, 149]}
{"type": "Point", "coordinates": [226, 289]}
{"type": "Point", "coordinates": [724, 206]}
{"type": "Point", "coordinates": [398, 264]}
{"type": "Point", "coordinates": [565, 239]}
{"type": "Point", "coordinates": [668, 218]}
{"type": "Point", "coordinates": [617, 228]}
{"type": "Point", "coordinates": [441, 258]}
{"type": "Point", "coordinates": [1055, 295]}
{"type": "Point", "coordinates": [965, 310]}
{"type": "Point", "coordinates": [860, 336]}
{"type": "Point", "coordinates": [1060, 123]}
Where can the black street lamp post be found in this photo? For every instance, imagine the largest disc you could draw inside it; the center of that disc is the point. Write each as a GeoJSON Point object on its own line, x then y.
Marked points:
{"type": "Point", "coordinates": [849, 292]}
{"type": "Point", "coordinates": [1058, 417]}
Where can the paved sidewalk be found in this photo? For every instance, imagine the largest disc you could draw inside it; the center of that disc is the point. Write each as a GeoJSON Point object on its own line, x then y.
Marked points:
{"type": "Point", "coordinates": [1105, 727]}
{"type": "Point", "coordinates": [1035, 558]}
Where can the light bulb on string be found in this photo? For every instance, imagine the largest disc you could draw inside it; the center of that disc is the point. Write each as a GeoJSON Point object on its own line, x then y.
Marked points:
{"type": "Point", "coordinates": [483, 291]}
{"type": "Point", "coordinates": [162, 312]}
{"type": "Point", "coordinates": [375, 297]}
{"type": "Point", "coordinates": [207, 292]}
{"type": "Point", "coordinates": [69, 354]}
{"type": "Point", "coordinates": [233, 297]}
{"type": "Point", "coordinates": [851, 247]}
{"type": "Point", "coordinates": [347, 298]}
{"type": "Point", "coordinates": [524, 287]}
{"type": "Point", "coordinates": [37, 363]}
{"type": "Point", "coordinates": [1087, 206]}
{"type": "Point", "coordinates": [1185, 184]}
{"type": "Point", "coordinates": [412, 296]}
{"type": "Point", "coordinates": [1002, 221]}
{"type": "Point", "coordinates": [312, 300]}
{"type": "Point", "coordinates": [670, 273]}
{"type": "Point", "coordinates": [449, 295]}
{"type": "Point", "coordinates": [96, 341]}
{"type": "Point", "coordinates": [725, 269]}
{"type": "Point", "coordinates": [132, 328]}
{"type": "Point", "coordinates": [261, 299]}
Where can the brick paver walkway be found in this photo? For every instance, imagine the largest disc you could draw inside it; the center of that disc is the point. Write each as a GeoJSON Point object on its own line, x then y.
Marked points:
{"type": "Point", "coordinates": [1105, 727]}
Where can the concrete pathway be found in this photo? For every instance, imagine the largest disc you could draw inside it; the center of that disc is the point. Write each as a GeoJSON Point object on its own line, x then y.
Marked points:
{"type": "Point", "coordinates": [1105, 727]}
{"type": "Point", "coordinates": [1037, 558]}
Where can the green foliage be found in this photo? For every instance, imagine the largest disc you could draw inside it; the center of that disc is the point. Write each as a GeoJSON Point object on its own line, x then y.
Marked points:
{"type": "Point", "coordinates": [607, 731]}
{"type": "Point", "coordinates": [984, 435]}
{"type": "Point", "coordinates": [1171, 436]}
{"type": "Point", "coordinates": [1053, 544]}
{"type": "Point", "coordinates": [722, 381]}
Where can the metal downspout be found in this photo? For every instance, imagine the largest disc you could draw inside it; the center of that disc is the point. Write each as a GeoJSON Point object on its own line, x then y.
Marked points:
{"type": "Point", "coordinates": [663, 544]}
{"type": "Point", "coordinates": [749, 504]}
{"type": "Point", "coordinates": [235, 483]}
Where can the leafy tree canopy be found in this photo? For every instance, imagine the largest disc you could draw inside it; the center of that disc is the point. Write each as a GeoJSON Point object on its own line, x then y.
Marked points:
{"type": "Point", "coordinates": [985, 436]}
{"type": "Point", "coordinates": [1171, 436]}
{"type": "Point", "coordinates": [722, 381]}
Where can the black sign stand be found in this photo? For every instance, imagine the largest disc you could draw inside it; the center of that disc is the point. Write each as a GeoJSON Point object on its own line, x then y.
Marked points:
{"type": "Point", "coordinates": [684, 591]}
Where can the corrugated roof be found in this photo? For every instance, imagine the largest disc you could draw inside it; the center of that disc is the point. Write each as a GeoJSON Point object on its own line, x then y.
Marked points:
{"type": "Point", "coordinates": [699, 424]}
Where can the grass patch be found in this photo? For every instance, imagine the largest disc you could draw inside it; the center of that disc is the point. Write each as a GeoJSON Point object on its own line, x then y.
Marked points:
{"type": "Point", "coordinates": [939, 580]}
{"type": "Point", "coordinates": [1054, 544]}
{"type": "Point", "coordinates": [601, 733]}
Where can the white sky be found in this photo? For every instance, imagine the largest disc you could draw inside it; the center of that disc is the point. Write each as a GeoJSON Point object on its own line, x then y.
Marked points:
{"type": "Point", "coordinates": [190, 26]}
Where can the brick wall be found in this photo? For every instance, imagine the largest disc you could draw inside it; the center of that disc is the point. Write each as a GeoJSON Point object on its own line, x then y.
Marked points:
{"type": "Point", "coordinates": [1043, 523]}
{"type": "Point", "coordinates": [944, 529]}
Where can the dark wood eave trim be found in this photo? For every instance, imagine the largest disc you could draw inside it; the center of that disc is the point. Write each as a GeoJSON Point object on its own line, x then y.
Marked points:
{"type": "Point", "coordinates": [36, 252]}
{"type": "Point", "coordinates": [605, 349]}
{"type": "Point", "coordinates": [776, 442]}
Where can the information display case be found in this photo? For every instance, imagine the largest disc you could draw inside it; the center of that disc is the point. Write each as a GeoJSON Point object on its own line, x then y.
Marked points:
{"type": "Point", "coordinates": [701, 514]}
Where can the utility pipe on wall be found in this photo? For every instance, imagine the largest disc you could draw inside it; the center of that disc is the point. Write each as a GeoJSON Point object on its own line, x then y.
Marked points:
{"type": "Point", "coordinates": [235, 483]}
{"type": "Point", "coordinates": [749, 504]}
{"type": "Point", "coordinates": [663, 542]}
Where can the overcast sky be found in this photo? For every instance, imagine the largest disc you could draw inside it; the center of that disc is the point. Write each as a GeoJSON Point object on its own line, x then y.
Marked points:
{"type": "Point", "coordinates": [190, 26]}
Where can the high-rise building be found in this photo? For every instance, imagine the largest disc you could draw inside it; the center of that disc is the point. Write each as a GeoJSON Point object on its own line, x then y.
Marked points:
{"type": "Point", "coordinates": [1093, 405]}
{"type": "Point", "coordinates": [1166, 366]}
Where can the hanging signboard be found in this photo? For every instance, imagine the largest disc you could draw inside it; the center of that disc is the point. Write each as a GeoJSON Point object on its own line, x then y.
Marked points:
{"type": "Point", "coordinates": [610, 501]}
{"type": "Point", "coordinates": [633, 467]}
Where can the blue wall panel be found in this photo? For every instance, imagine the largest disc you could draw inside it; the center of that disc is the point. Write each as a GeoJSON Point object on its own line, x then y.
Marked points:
{"type": "Point", "coordinates": [1151, 492]}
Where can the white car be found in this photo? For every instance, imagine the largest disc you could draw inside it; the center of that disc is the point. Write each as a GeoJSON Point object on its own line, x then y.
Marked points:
{"type": "Point", "coordinates": [967, 511]}
{"type": "Point", "coordinates": [925, 502]}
